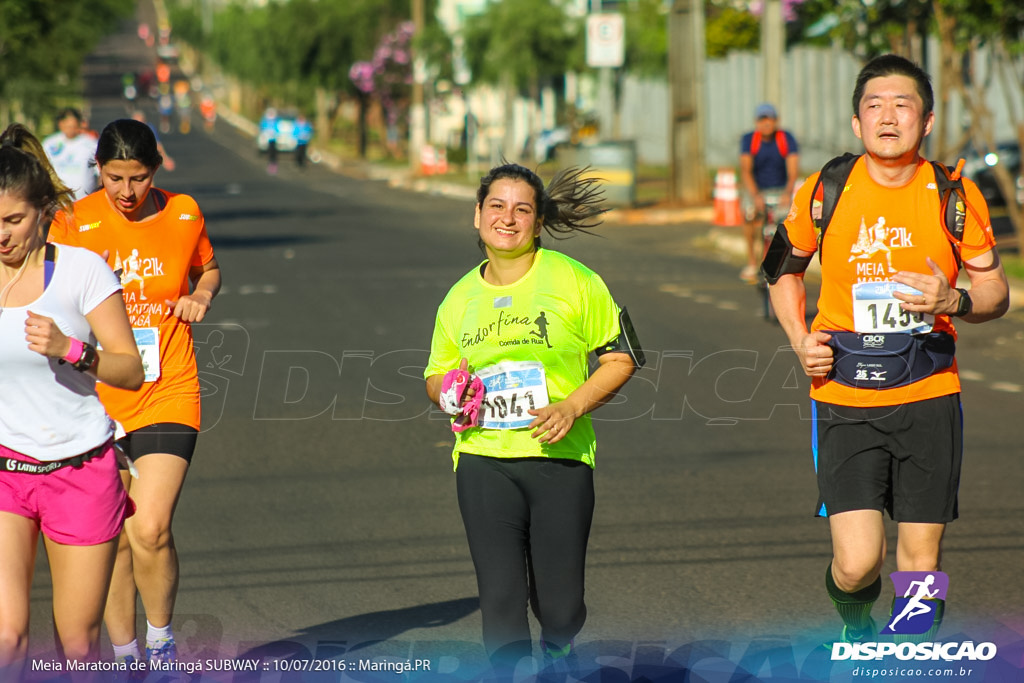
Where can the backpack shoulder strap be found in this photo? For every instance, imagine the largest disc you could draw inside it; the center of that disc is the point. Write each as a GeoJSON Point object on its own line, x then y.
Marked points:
{"type": "Point", "coordinates": [828, 190]}
{"type": "Point", "coordinates": [781, 143]}
{"type": "Point", "coordinates": [953, 200]}
{"type": "Point", "coordinates": [48, 263]}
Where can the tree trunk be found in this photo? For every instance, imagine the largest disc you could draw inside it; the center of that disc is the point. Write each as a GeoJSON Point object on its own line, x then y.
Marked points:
{"type": "Point", "coordinates": [363, 105]}
{"type": "Point", "coordinates": [323, 115]}
{"type": "Point", "coordinates": [508, 140]}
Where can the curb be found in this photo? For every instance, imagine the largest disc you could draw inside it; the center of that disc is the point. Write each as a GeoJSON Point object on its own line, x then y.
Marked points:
{"type": "Point", "coordinates": [661, 216]}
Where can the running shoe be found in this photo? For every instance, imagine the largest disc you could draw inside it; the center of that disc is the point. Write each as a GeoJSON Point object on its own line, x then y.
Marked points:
{"type": "Point", "coordinates": [749, 274]}
{"type": "Point", "coordinates": [558, 663]}
{"type": "Point", "coordinates": [868, 635]}
{"type": "Point", "coordinates": [131, 671]}
{"type": "Point", "coordinates": [162, 651]}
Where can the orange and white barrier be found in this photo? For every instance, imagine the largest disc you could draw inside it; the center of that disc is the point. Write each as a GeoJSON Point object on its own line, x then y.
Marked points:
{"type": "Point", "coordinates": [433, 161]}
{"type": "Point", "coordinates": [727, 198]}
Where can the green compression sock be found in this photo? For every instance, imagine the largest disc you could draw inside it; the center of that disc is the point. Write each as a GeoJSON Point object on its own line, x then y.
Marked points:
{"type": "Point", "coordinates": [854, 608]}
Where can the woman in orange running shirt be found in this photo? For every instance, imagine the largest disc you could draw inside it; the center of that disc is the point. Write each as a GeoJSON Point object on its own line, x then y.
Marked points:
{"type": "Point", "coordinates": [156, 241]}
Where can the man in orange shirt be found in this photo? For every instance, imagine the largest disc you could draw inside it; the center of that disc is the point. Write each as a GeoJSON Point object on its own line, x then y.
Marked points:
{"type": "Point", "coordinates": [888, 428]}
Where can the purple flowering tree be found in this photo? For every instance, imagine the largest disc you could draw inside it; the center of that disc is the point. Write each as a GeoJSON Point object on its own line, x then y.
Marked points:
{"type": "Point", "coordinates": [788, 8]}
{"type": "Point", "coordinates": [388, 77]}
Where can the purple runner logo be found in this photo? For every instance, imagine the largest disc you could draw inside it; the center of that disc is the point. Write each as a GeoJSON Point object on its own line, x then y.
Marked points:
{"type": "Point", "coordinates": [913, 610]}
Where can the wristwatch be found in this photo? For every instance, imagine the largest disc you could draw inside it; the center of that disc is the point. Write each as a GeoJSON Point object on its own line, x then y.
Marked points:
{"type": "Point", "coordinates": [964, 307]}
{"type": "Point", "coordinates": [87, 360]}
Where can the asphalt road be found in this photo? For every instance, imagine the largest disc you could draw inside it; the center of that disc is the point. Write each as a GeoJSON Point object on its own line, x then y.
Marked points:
{"type": "Point", "coordinates": [319, 518]}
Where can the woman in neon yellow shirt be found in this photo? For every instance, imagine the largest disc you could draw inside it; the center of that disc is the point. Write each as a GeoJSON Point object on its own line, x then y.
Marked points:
{"type": "Point", "coordinates": [524, 322]}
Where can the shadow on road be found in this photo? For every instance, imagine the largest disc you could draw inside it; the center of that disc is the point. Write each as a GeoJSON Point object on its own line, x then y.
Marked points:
{"type": "Point", "coordinates": [354, 633]}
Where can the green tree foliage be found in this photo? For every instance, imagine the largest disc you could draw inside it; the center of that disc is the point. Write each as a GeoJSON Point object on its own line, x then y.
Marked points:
{"type": "Point", "coordinates": [436, 47]}
{"type": "Point", "coordinates": [985, 21]}
{"type": "Point", "coordinates": [43, 44]}
{"type": "Point", "coordinates": [188, 25]}
{"type": "Point", "coordinates": [728, 28]}
{"type": "Point", "coordinates": [520, 41]}
{"type": "Point", "coordinates": [646, 38]}
{"type": "Point", "coordinates": [962, 27]}
{"type": "Point", "coordinates": [865, 28]}
{"type": "Point", "coordinates": [287, 48]}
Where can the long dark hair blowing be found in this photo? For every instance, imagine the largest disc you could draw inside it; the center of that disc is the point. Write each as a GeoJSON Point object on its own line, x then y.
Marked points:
{"type": "Point", "coordinates": [128, 140]}
{"type": "Point", "coordinates": [572, 201]}
{"type": "Point", "coordinates": [25, 172]}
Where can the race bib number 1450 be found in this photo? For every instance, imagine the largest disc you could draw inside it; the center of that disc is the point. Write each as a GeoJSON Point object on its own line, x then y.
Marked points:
{"type": "Point", "coordinates": [877, 311]}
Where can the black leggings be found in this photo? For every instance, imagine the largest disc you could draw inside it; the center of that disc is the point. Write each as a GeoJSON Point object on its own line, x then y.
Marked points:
{"type": "Point", "coordinates": [527, 522]}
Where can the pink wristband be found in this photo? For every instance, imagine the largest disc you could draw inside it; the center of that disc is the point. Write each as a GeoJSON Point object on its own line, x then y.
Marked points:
{"type": "Point", "coordinates": [74, 354]}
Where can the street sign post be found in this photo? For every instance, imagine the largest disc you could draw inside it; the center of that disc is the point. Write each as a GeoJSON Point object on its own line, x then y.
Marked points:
{"type": "Point", "coordinates": [606, 40]}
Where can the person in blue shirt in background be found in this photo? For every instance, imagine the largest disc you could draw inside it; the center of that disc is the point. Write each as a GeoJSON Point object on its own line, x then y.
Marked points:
{"type": "Point", "coordinates": [303, 134]}
{"type": "Point", "coordinates": [769, 165]}
{"type": "Point", "coordinates": [268, 124]}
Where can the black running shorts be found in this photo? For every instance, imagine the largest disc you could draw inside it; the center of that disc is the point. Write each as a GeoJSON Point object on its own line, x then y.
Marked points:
{"type": "Point", "coordinates": [903, 459]}
{"type": "Point", "coordinates": [163, 437]}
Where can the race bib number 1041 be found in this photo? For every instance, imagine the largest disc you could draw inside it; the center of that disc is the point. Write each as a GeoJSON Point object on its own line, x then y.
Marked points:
{"type": "Point", "coordinates": [512, 388]}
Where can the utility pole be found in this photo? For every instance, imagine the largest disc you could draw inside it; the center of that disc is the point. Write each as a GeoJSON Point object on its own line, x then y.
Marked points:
{"type": "Point", "coordinates": [772, 47]}
{"type": "Point", "coordinates": [689, 179]}
{"type": "Point", "coordinates": [417, 113]}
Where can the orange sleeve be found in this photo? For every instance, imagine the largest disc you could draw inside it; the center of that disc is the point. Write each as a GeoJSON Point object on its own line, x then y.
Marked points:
{"type": "Point", "coordinates": [203, 252]}
{"type": "Point", "coordinates": [61, 230]}
{"type": "Point", "coordinates": [204, 249]}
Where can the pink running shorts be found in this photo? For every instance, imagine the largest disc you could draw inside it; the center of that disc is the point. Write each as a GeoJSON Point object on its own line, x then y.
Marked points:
{"type": "Point", "coordinates": [72, 506]}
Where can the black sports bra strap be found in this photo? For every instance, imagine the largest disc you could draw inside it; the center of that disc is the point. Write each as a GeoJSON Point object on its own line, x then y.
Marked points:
{"type": "Point", "coordinates": [48, 264]}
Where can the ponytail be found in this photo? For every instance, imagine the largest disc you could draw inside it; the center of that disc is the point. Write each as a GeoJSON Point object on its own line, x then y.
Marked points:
{"type": "Point", "coordinates": [26, 171]}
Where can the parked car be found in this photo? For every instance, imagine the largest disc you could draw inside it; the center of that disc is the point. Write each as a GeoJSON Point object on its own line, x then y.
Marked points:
{"type": "Point", "coordinates": [978, 167]}
{"type": "Point", "coordinates": [280, 127]}
{"type": "Point", "coordinates": [542, 146]}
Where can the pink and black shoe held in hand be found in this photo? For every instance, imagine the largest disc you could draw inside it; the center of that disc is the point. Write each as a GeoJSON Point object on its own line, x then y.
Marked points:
{"type": "Point", "coordinates": [453, 391]}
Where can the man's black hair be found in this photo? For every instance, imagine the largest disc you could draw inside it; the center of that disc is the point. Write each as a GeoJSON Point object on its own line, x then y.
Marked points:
{"type": "Point", "coordinates": [894, 65]}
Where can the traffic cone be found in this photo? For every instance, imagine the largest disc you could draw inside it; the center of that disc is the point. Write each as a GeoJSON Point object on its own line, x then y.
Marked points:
{"type": "Point", "coordinates": [727, 198]}
{"type": "Point", "coordinates": [428, 160]}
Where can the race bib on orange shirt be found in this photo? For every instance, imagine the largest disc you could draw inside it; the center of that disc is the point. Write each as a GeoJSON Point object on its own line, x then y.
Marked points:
{"type": "Point", "coordinates": [147, 339]}
{"type": "Point", "coordinates": [877, 311]}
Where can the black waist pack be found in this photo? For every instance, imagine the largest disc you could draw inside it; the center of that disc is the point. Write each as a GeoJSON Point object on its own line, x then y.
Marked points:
{"type": "Point", "coordinates": [884, 361]}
